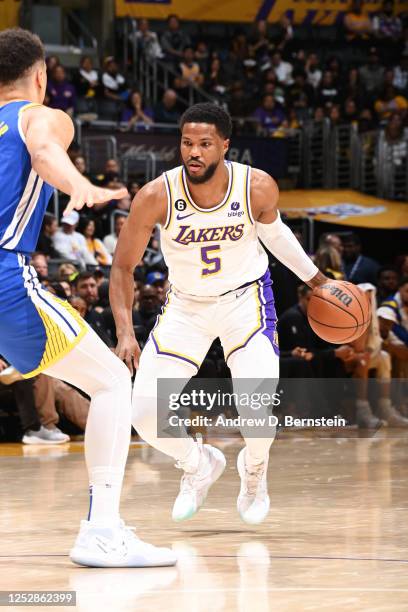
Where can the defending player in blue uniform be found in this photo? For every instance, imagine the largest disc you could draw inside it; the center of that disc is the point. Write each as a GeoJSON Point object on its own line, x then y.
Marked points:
{"type": "Point", "coordinates": [40, 333]}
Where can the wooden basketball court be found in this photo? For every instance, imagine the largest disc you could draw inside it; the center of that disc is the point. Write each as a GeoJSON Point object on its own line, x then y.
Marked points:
{"type": "Point", "coordinates": [336, 537]}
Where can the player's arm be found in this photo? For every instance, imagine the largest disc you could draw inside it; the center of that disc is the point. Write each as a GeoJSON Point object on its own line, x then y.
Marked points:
{"type": "Point", "coordinates": [276, 235]}
{"type": "Point", "coordinates": [149, 207]}
{"type": "Point", "coordinates": [48, 134]}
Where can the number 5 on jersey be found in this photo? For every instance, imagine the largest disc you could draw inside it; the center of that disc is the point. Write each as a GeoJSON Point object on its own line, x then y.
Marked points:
{"type": "Point", "coordinates": [213, 263]}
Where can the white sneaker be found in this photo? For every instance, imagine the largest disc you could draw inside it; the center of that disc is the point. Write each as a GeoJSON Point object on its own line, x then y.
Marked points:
{"type": "Point", "coordinates": [116, 547]}
{"type": "Point", "coordinates": [194, 486]}
{"type": "Point", "coordinates": [253, 499]}
{"type": "Point", "coordinates": [45, 436]}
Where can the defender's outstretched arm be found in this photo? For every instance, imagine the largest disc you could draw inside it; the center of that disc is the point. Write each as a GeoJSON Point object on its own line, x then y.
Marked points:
{"type": "Point", "coordinates": [48, 133]}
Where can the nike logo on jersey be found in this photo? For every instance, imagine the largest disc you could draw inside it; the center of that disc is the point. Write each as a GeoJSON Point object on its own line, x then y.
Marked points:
{"type": "Point", "coordinates": [180, 217]}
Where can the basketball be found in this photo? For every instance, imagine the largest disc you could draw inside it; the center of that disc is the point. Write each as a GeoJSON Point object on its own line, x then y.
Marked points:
{"type": "Point", "coordinates": [339, 312]}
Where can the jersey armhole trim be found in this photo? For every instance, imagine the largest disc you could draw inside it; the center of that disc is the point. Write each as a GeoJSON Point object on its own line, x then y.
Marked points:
{"type": "Point", "coordinates": [20, 115]}
{"type": "Point", "coordinates": [248, 194]}
{"type": "Point", "coordinates": [169, 200]}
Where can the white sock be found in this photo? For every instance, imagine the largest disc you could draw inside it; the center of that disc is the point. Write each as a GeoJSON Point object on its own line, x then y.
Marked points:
{"type": "Point", "coordinates": [104, 491]}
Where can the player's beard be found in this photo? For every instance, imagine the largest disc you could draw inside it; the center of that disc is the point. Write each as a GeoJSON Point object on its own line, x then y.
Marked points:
{"type": "Point", "coordinates": [208, 174]}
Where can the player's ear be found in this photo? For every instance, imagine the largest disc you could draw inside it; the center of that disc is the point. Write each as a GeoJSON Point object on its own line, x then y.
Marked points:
{"type": "Point", "coordinates": [226, 145]}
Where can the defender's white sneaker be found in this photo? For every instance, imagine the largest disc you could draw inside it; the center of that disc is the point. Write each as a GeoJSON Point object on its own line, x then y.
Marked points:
{"type": "Point", "coordinates": [253, 499]}
{"type": "Point", "coordinates": [116, 547]}
{"type": "Point", "coordinates": [194, 486]}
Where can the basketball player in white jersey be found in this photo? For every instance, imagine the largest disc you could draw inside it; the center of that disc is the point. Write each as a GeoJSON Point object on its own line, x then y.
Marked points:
{"type": "Point", "coordinates": [212, 214]}
{"type": "Point", "coordinates": [39, 332]}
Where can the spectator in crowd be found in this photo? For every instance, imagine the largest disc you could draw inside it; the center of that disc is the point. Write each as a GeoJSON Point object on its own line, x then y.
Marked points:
{"type": "Point", "coordinates": [45, 242]}
{"type": "Point", "coordinates": [333, 240]}
{"type": "Point", "coordinates": [328, 260]}
{"type": "Point", "coordinates": [333, 64]}
{"type": "Point", "coordinates": [189, 71]}
{"type": "Point", "coordinates": [86, 79]}
{"type": "Point", "coordinates": [386, 26]}
{"type": "Point", "coordinates": [111, 174]}
{"type": "Point", "coordinates": [399, 302]}
{"type": "Point", "coordinates": [148, 41]}
{"type": "Point", "coordinates": [357, 267]}
{"type": "Point", "coordinates": [110, 241]}
{"type": "Point", "coordinates": [353, 89]}
{"type": "Point", "coordinates": [401, 264]}
{"type": "Point", "coordinates": [387, 319]}
{"type": "Point", "coordinates": [38, 421]}
{"type": "Point", "coordinates": [61, 92]}
{"type": "Point", "coordinates": [350, 112]}
{"type": "Point", "coordinates": [174, 40]}
{"type": "Point", "coordinates": [390, 102]}
{"type": "Point", "coordinates": [159, 281]}
{"type": "Point", "coordinates": [95, 247]}
{"type": "Point", "coordinates": [135, 114]}
{"type": "Point", "coordinates": [71, 244]}
{"type": "Point", "coordinates": [202, 55]}
{"type": "Point", "coordinates": [400, 80]}
{"type": "Point", "coordinates": [240, 47]}
{"type": "Point", "coordinates": [80, 164]}
{"type": "Point", "coordinates": [260, 43]}
{"type": "Point", "coordinates": [67, 272]}
{"type": "Point", "coordinates": [86, 288]}
{"type": "Point", "coordinates": [300, 94]}
{"type": "Point", "coordinates": [166, 110]}
{"type": "Point", "coordinates": [328, 93]}
{"type": "Point", "coordinates": [270, 115]}
{"type": "Point", "coordinates": [313, 71]}
{"type": "Point", "coordinates": [114, 83]}
{"type": "Point", "coordinates": [40, 265]}
{"type": "Point", "coordinates": [149, 308]}
{"type": "Point", "coordinates": [357, 24]}
{"type": "Point", "coordinates": [372, 74]}
{"type": "Point", "coordinates": [216, 82]}
{"type": "Point", "coordinates": [387, 283]}
{"type": "Point", "coordinates": [373, 357]}
{"type": "Point", "coordinates": [133, 188]}
{"type": "Point", "coordinates": [51, 62]}
{"type": "Point", "coordinates": [283, 70]}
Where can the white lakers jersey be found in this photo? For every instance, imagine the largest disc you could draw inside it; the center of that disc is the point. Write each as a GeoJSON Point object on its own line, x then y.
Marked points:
{"type": "Point", "coordinates": [210, 251]}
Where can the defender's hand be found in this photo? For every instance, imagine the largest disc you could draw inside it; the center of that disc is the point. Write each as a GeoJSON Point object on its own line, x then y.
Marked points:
{"type": "Point", "coordinates": [128, 350]}
{"type": "Point", "coordinates": [86, 194]}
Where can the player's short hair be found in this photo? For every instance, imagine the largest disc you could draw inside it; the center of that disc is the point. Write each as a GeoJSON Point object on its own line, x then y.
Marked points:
{"type": "Point", "coordinates": [383, 269]}
{"type": "Point", "coordinates": [19, 51]}
{"type": "Point", "coordinates": [206, 112]}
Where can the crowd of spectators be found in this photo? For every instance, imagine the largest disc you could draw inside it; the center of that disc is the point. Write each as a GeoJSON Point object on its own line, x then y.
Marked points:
{"type": "Point", "coordinates": [265, 75]}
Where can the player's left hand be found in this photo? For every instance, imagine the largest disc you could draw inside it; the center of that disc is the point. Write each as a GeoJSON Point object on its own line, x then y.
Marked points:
{"type": "Point", "coordinates": [86, 194]}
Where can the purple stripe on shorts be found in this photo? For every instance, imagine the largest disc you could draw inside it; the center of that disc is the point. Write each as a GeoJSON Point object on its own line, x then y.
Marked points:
{"type": "Point", "coordinates": [169, 354]}
{"type": "Point", "coordinates": [269, 313]}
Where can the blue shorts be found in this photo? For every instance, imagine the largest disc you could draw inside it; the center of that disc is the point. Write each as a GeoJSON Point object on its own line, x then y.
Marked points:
{"type": "Point", "coordinates": [36, 327]}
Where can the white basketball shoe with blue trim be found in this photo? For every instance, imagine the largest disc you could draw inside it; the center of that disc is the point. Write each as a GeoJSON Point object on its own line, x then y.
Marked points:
{"type": "Point", "coordinates": [194, 486]}
{"type": "Point", "coordinates": [253, 499]}
{"type": "Point", "coordinates": [117, 546]}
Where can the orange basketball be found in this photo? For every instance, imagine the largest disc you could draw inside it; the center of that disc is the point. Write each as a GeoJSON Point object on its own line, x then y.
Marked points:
{"type": "Point", "coordinates": [339, 312]}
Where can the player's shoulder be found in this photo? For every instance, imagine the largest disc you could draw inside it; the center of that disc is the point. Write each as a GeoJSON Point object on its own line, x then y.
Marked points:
{"type": "Point", "coordinates": [153, 190]}
{"type": "Point", "coordinates": [263, 184]}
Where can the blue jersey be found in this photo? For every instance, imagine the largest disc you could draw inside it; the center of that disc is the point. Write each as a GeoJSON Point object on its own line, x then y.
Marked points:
{"type": "Point", "coordinates": [24, 195]}
{"type": "Point", "coordinates": [36, 328]}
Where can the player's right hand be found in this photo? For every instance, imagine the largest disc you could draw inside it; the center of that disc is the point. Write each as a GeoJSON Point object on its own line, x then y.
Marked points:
{"type": "Point", "coordinates": [128, 350]}
{"type": "Point", "coordinates": [86, 194]}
